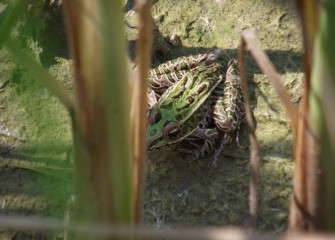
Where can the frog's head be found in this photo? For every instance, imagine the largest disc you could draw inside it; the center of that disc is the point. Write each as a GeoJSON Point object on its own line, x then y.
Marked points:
{"type": "Point", "coordinates": [163, 132]}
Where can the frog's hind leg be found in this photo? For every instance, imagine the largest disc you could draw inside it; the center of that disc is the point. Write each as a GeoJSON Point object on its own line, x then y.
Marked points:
{"type": "Point", "coordinates": [227, 101]}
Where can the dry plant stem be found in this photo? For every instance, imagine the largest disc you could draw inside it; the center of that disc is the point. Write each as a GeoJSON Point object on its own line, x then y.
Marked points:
{"type": "Point", "coordinates": [139, 102]}
{"type": "Point", "coordinates": [103, 230]}
{"type": "Point", "coordinates": [101, 122]}
{"type": "Point", "coordinates": [305, 184]}
{"type": "Point", "coordinates": [309, 14]}
{"type": "Point", "coordinates": [81, 162]}
{"type": "Point", "coordinates": [265, 64]}
{"type": "Point", "coordinates": [304, 181]}
{"type": "Point", "coordinates": [254, 146]}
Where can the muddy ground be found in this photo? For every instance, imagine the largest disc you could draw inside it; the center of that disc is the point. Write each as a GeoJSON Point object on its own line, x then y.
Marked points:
{"type": "Point", "coordinates": [35, 130]}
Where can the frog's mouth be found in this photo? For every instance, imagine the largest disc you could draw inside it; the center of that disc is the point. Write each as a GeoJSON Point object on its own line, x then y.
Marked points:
{"type": "Point", "coordinates": [169, 136]}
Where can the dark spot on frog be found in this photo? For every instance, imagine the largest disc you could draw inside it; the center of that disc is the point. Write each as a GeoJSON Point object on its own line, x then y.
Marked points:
{"type": "Point", "coordinates": [190, 100]}
{"type": "Point", "coordinates": [179, 117]}
{"type": "Point", "coordinates": [153, 132]}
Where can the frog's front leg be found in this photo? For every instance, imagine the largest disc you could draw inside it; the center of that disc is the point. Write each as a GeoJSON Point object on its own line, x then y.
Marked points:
{"type": "Point", "coordinates": [205, 133]}
{"type": "Point", "coordinates": [198, 148]}
{"type": "Point", "coordinates": [200, 143]}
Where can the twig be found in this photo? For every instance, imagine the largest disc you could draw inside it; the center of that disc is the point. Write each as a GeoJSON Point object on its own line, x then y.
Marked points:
{"type": "Point", "coordinates": [254, 146]}
{"type": "Point", "coordinates": [305, 180]}
{"type": "Point", "coordinates": [107, 230]}
{"type": "Point", "coordinates": [267, 67]}
{"type": "Point", "coordinates": [139, 102]}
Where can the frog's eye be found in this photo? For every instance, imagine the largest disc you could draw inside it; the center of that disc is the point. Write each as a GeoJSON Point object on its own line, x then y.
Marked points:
{"type": "Point", "coordinates": [171, 130]}
{"type": "Point", "coordinates": [154, 116]}
{"type": "Point", "coordinates": [173, 133]}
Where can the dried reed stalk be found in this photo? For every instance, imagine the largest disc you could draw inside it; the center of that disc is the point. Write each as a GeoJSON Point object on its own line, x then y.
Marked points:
{"type": "Point", "coordinates": [248, 39]}
{"type": "Point", "coordinates": [266, 66]}
{"type": "Point", "coordinates": [305, 184]}
{"type": "Point", "coordinates": [101, 120]}
{"type": "Point", "coordinates": [254, 146]}
{"type": "Point", "coordinates": [109, 231]}
{"type": "Point", "coordinates": [139, 103]}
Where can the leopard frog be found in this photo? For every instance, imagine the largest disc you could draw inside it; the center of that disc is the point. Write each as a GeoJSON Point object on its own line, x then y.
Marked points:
{"type": "Point", "coordinates": [195, 108]}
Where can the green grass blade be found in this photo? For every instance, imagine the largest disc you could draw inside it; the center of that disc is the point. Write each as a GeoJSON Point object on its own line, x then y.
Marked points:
{"type": "Point", "coordinates": [115, 80]}
{"type": "Point", "coordinates": [38, 72]}
{"type": "Point", "coordinates": [11, 19]}
{"type": "Point", "coordinates": [322, 100]}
